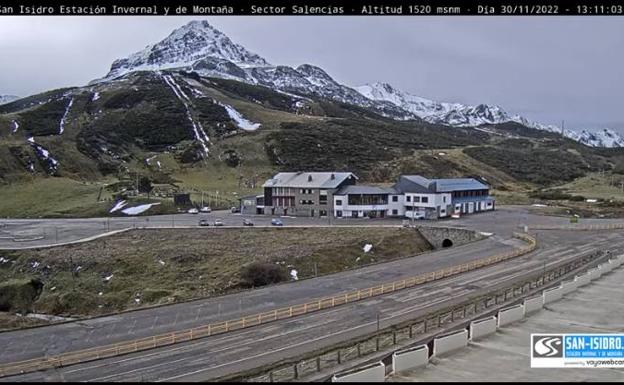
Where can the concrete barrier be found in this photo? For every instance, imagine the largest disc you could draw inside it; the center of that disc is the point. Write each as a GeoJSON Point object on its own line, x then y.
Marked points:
{"type": "Point", "coordinates": [411, 358]}
{"type": "Point", "coordinates": [609, 266]}
{"type": "Point", "coordinates": [450, 342]}
{"type": "Point", "coordinates": [594, 274]}
{"type": "Point", "coordinates": [569, 286]}
{"type": "Point", "coordinates": [533, 304]}
{"type": "Point", "coordinates": [510, 315]}
{"type": "Point", "coordinates": [483, 327]}
{"type": "Point", "coordinates": [369, 373]}
{"type": "Point", "coordinates": [583, 279]}
{"type": "Point", "coordinates": [552, 295]}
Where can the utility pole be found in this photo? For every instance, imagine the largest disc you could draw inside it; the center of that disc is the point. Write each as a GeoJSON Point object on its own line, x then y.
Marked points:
{"type": "Point", "coordinates": [137, 182]}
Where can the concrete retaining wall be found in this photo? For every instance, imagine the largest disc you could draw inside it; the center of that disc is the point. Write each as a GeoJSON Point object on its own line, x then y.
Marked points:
{"type": "Point", "coordinates": [608, 266]}
{"type": "Point", "coordinates": [583, 280]}
{"type": "Point", "coordinates": [411, 358]}
{"type": "Point", "coordinates": [483, 327]}
{"type": "Point", "coordinates": [594, 274]}
{"type": "Point", "coordinates": [552, 295]}
{"type": "Point", "coordinates": [450, 342]}
{"type": "Point", "coordinates": [437, 235]}
{"type": "Point", "coordinates": [510, 315]}
{"type": "Point", "coordinates": [370, 373]}
{"type": "Point", "coordinates": [569, 286]}
{"type": "Point", "coordinates": [533, 304]}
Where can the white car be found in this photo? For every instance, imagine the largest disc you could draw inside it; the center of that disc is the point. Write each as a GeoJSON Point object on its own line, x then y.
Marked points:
{"type": "Point", "coordinates": [193, 211]}
{"type": "Point", "coordinates": [205, 209]}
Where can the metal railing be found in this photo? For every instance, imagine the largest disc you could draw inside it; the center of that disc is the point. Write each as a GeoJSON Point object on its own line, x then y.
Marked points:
{"type": "Point", "coordinates": [610, 226]}
{"type": "Point", "coordinates": [256, 319]}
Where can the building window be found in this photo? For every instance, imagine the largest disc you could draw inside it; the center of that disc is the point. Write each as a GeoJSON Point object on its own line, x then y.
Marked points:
{"type": "Point", "coordinates": [310, 191]}
{"type": "Point", "coordinates": [408, 198]}
{"type": "Point", "coordinates": [395, 212]}
{"type": "Point", "coordinates": [395, 198]}
{"type": "Point", "coordinates": [417, 199]}
{"type": "Point", "coordinates": [301, 191]}
{"type": "Point", "coordinates": [444, 199]}
{"type": "Point", "coordinates": [338, 202]}
{"type": "Point", "coordinates": [339, 213]}
{"type": "Point", "coordinates": [425, 199]}
{"type": "Point", "coordinates": [323, 197]}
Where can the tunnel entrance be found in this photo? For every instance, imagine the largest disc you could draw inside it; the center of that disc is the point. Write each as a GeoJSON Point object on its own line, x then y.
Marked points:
{"type": "Point", "coordinates": [447, 243]}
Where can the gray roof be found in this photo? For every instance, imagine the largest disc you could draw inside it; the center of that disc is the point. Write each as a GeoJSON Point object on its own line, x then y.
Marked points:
{"type": "Point", "coordinates": [355, 189]}
{"type": "Point", "coordinates": [303, 180]}
{"type": "Point", "coordinates": [459, 184]}
{"type": "Point", "coordinates": [419, 184]}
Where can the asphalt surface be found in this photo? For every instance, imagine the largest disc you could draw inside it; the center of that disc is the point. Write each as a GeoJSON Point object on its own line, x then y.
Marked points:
{"type": "Point", "coordinates": [232, 352]}
{"type": "Point", "coordinates": [55, 339]}
{"type": "Point", "coordinates": [595, 308]}
{"type": "Point", "coordinates": [216, 356]}
{"type": "Point", "coordinates": [29, 233]}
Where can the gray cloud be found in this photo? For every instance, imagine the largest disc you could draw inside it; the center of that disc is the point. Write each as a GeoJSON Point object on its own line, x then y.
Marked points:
{"type": "Point", "coordinates": [547, 68]}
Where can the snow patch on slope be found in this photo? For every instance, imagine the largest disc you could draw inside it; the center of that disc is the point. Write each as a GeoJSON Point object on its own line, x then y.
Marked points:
{"type": "Point", "coordinates": [241, 122]}
{"type": "Point", "coordinates": [62, 123]}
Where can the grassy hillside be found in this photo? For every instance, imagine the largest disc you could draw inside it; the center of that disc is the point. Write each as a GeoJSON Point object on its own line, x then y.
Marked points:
{"type": "Point", "coordinates": [139, 126]}
{"type": "Point", "coordinates": [161, 266]}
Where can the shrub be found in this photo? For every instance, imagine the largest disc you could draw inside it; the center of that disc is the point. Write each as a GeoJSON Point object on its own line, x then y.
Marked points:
{"type": "Point", "coordinates": [262, 273]}
{"type": "Point", "coordinates": [18, 295]}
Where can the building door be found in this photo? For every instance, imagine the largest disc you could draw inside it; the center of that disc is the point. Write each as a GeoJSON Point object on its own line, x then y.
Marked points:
{"type": "Point", "coordinates": [470, 207]}
{"type": "Point", "coordinates": [311, 212]}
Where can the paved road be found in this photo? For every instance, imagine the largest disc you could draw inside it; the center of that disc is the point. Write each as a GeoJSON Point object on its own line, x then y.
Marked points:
{"type": "Point", "coordinates": [509, 350]}
{"type": "Point", "coordinates": [218, 355]}
{"type": "Point", "coordinates": [245, 349]}
{"type": "Point", "coordinates": [26, 233]}
{"type": "Point", "coordinates": [72, 336]}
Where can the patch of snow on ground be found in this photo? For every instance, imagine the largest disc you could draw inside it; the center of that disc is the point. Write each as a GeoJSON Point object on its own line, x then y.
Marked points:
{"type": "Point", "coordinates": [367, 247]}
{"type": "Point", "coordinates": [31, 139]}
{"type": "Point", "coordinates": [293, 274]}
{"type": "Point", "coordinates": [538, 205]}
{"type": "Point", "coordinates": [95, 97]}
{"type": "Point", "coordinates": [4, 260]}
{"type": "Point", "coordinates": [62, 123]}
{"type": "Point", "coordinates": [158, 163]}
{"type": "Point", "coordinates": [109, 277]}
{"type": "Point", "coordinates": [15, 126]}
{"type": "Point", "coordinates": [118, 206]}
{"type": "Point", "coordinates": [241, 122]}
{"type": "Point", "coordinates": [138, 209]}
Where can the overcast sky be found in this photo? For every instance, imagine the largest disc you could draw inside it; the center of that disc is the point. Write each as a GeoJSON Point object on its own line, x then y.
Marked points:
{"type": "Point", "coordinates": [547, 69]}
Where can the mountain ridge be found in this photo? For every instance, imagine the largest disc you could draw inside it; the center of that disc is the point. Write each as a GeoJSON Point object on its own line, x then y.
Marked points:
{"type": "Point", "coordinates": [199, 47]}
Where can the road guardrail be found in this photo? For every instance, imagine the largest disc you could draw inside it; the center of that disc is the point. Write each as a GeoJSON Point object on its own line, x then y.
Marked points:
{"type": "Point", "coordinates": [157, 341]}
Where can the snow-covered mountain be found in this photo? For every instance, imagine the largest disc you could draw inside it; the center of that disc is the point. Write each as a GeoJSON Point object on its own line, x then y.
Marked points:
{"type": "Point", "coordinates": [4, 99]}
{"type": "Point", "coordinates": [459, 115]}
{"type": "Point", "coordinates": [199, 47]}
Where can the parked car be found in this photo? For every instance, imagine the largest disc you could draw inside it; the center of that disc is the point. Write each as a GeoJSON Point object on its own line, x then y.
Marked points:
{"type": "Point", "coordinates": [204, 222]}
{"type": "Point", "coordinates": [247, 222]}
{"type": "Point", "coordinates": [205, 209]}
{"type": "Point", "coordinates": [276, 222]}
{"type": "Point", "coordinates": [193, 211]}
{"type": "Point", "coordinates": [235, 209]}
{"type": "Point", "coordinates": [218, 222]}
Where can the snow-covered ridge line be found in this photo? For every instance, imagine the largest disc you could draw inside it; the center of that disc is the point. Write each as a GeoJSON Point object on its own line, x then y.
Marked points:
{"type": "Point", "coordinates": [459, 115]}
{"type": "Point", "coordinates": [62, 123]}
